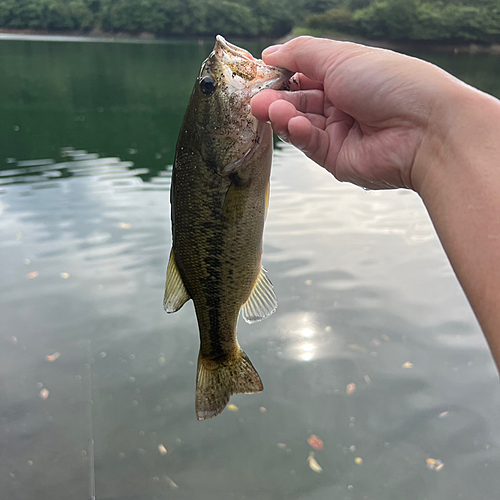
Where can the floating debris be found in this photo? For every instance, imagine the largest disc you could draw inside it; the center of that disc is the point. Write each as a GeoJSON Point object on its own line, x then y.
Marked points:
{"type": "Point", "coordinates": [315, 442]}
{"type": "Point", "coordinates": [32, 275]}
{"type": "Point", "coordinates": [281, 445]}
{"type": "Point", "coordinates": [124, 225]}
{"type": "Point", "coordinates": [386, 337]}
{"type": "Point", "coordinates": [103, 354]}
{"type": "Point", "coordinates": [52, 357]}
{"type": "Point", "coordinates": [19, 236]}
{"type": "Point", "coordinates": [350, 389]}
{"type": "Point", "coordinates": [162, 360]}
{"type": "Point", "coordinates": [328, 328]}
{"type": "Point", "coordinates": [232, 407]}
{"type": "Point", "coordinates": [352, 448]}
{"type": "Point", "coordinates": [408, 365]}
{"type": "Point", "coordinates": [376, 343]}
{"type": "Point", "coordinates": [171, 483]}
{"type": "Point", "coordinates": [65, 276]}
{"type": "Point", "coordinates": [262, 409]}
{"type": "Point", "coordinates": [121, 455]}
{"type": "Point", "coordinates": [368, 380]}
{"type": "Point", "coordinates": [162, 449]}
{"type": "Point", "coordinates": [44, 393]}
{"type": "Point", "coordinates": [444, 414]}
{"type": "Point", "coordinates": [358, 460]}
{"type": "Point", "coordinates": [30, 462]}
{"type": "Point", "coordinates": [356, 347]}
{"type": "Point", "coordinates": [313, 464]}
{"type": "Point", "coordinates": [434, 464]}
{"type": "Point", "coordinates": [308, 282]}
{"type": "Point", "coordinates": [27, 262]}
{"type": "Point", "coordinates": [14, 340]}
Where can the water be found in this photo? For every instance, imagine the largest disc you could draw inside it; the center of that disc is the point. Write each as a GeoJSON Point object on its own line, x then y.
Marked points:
{"type": "Point", "coordinates": [366, 297]}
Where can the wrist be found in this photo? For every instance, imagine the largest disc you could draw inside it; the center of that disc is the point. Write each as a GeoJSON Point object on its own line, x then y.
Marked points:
{"type": "Point", "coordinates": [462, 138]}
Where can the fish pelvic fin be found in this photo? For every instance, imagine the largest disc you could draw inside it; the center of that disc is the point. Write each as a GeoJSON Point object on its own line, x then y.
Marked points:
{"type": "Point", "coordinates": [176, 294]}
{"type": "Point", "coordinates": [262, 301]}
{"type": "Point", "coordinates": [217, 381]}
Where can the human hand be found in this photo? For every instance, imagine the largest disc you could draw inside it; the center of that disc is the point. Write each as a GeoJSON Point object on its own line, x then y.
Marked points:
{"type": "Point", "coordinates": [370, 116]}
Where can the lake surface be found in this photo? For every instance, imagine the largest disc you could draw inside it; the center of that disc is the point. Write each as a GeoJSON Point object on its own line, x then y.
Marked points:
{"type": "Point", "coordinates": [373, 348]}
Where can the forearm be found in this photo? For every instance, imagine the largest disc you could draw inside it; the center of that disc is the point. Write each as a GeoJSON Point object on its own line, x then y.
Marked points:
{"type": "Point", "coordinates": [461, 190]}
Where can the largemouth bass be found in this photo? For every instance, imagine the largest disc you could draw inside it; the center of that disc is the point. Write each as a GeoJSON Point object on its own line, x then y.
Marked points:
{"type": "Point", "coordinates": [219, 195]}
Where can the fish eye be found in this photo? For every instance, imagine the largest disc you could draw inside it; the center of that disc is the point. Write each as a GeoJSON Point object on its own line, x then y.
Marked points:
{"type": "Point", "coordinates": [208, 85]}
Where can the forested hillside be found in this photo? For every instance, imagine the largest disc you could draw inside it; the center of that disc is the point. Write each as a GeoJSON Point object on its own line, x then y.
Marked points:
{"type": "Point", "coordinates": [453, 20]}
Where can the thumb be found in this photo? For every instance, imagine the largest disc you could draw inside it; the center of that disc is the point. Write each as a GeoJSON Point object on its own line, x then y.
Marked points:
{"type": "Point", "coordinates": [313, 57]}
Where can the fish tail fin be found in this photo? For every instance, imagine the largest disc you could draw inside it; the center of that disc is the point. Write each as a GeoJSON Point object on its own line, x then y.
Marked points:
{"type": "Point", "coordinates": [217, 381]}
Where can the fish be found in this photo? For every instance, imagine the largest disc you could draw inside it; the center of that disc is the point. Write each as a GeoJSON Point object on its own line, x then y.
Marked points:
{"type": "Point", "coordinates": [219, 196]}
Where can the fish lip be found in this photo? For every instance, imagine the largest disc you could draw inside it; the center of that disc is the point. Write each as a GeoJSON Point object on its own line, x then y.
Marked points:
{"type": "Point", "coordinates": [234, 49]}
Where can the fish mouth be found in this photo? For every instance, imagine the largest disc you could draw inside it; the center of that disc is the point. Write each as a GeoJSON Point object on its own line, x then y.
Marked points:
{"type": "Point", "coordinates": [223, 45]}
{"type": "Point", "coordinates": [242, 70]}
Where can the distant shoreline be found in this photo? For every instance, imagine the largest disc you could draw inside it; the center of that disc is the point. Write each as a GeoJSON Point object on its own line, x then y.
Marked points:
{"type": "Point", "coordinates": [100, 36]}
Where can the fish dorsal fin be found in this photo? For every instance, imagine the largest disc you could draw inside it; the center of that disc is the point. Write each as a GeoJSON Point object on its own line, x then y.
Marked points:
{"type": "Point", "coordinates": [262, 301]}
{"type": "Point", "coordinates": [175, 292]}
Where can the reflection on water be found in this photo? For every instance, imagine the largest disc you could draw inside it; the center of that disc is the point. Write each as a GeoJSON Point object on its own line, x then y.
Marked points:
{"type": "Point", "coordinates": [373, 348]}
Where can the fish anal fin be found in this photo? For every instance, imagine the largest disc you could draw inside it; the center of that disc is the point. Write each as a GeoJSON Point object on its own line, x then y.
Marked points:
{"type": "Point", "coordinates": [262, 301]}
{"type": "Point", "coordinates": [176, 294]}
{"type": "Point", "coordinates": [216, 382]}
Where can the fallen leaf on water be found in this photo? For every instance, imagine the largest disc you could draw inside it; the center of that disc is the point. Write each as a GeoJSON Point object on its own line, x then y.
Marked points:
{"type": "Point", "coordinates": [171, 483]}
{"type": "Point", "coordinates": [162, 449]}
{"type": "Point", "coordinates": [44, 393]}
{"type": "Point", "coordinates": [315, 442]}
{"type": "Point", "coordinates": [356, 347]}
{"type": "Point", "coordinates": [358, 460]}
{"type": "Point", "coordinates": [313, 464]}
{"type": "Point", "coordinates": [350, 389]}
{"type": "Point", "coordinates": [232, 407]}
{"type": "Point", "coordinates": [65, 275]}
{"type": "Point", "coordinates": [32, 275]}
{"type": "Point", "coordinates": [262, 409]}
{"type": "Point", "coordinates": [408, 365]}
{"type": "Point", "coordinates": [125, 225]}
{"type": "Point", "coordinates": [434, 464]}
{"type": "Point", "coordinates": [52, 357]}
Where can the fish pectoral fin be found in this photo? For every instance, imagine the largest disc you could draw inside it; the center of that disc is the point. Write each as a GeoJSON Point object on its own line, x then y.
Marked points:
{"type": "Point", "coordinates": [235, 202]}
{"type": "Point", "coordinates": [262, 301]}
{"type": "Point", "coordinates": [176, 294]}
{"type": "Point", "coordinates": [216, 384]}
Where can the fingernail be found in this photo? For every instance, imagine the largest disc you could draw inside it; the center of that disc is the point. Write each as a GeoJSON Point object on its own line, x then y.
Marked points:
{"type": "Point", "coordinates": [271, 50]}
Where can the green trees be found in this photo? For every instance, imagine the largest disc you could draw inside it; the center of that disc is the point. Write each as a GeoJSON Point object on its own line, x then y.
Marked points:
{"type": "Point", "coordinates": [160, 17]}
{"type": "Point", "coordinates": [427, 20]}
{"type": "Point", "coordinates": [435, 20]}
